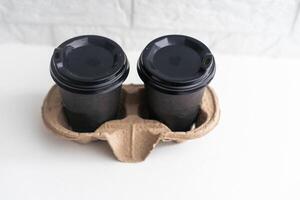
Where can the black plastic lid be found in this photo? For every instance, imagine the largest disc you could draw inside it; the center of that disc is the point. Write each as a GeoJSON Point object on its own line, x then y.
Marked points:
{"type": "Point", "coordinates": [89, 64]}
{"type": "Point", "coordinates": [176, 64]}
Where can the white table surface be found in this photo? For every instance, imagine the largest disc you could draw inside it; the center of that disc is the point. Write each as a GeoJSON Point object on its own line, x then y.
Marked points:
{"type": "Point", "coordinates": [252, 154]}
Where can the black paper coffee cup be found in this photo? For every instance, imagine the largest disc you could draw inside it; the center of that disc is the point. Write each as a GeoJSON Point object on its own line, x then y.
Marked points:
{"type": "Point", "coordinates": [89, 71]}
{"type": "Point", "coordinates": [175, 70]}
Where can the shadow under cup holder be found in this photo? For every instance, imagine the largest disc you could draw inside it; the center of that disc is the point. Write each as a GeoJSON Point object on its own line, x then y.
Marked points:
{"type": "Point", "coordinates": [132, 136]}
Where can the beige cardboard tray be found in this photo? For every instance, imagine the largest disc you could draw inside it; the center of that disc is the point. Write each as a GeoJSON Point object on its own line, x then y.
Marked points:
{"type": "Point", "coordinates": [133, 137]}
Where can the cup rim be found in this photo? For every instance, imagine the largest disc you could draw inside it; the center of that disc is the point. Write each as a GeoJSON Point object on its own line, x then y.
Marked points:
{"type": "Point", "coordinates": [103, 84]}
{"type": "Point", "coordinates": [167, 85]}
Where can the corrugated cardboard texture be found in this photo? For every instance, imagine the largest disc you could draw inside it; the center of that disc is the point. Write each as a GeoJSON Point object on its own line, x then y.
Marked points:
{"type": "Point", "coordinates": [131, 138]}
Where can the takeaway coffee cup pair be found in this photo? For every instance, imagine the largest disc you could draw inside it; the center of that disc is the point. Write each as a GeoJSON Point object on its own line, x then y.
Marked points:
{"type": "Point", "coordinates": [90, 70]}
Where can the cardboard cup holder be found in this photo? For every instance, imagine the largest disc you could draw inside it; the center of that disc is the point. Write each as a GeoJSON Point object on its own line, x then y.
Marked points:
{"type": "Point", "coordinates": [132, 136]}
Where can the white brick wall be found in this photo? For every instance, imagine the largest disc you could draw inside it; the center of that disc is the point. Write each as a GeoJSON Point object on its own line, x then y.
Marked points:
{"type": "Point", "coordinates": [264, 27]}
